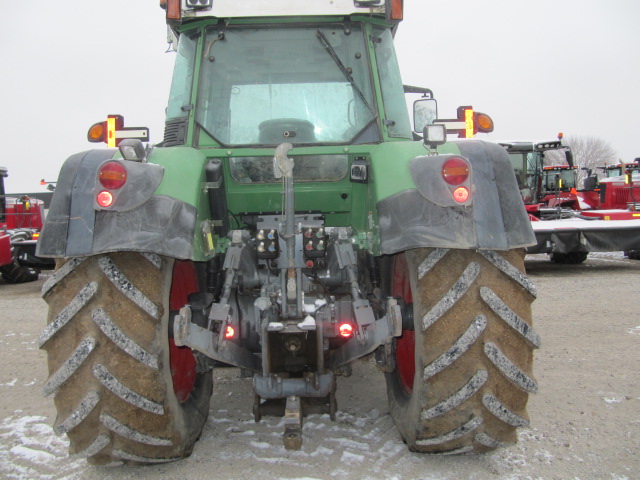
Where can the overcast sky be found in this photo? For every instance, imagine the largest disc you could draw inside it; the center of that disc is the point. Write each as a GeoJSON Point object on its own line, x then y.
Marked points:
{"type": "Point", "coordinates": [538, 67]}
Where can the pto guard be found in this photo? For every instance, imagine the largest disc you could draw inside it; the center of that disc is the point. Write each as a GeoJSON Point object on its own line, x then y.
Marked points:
{"type": "Point", "coordinates": [495, 220]}
{"type": "Point", "coordinates": [138, 221]}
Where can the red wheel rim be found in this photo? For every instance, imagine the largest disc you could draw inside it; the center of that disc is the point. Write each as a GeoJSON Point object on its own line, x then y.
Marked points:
{"type": "Point", "coordinates": [182, 361]}
{"type": "Point", "coordinates": [405, 345]}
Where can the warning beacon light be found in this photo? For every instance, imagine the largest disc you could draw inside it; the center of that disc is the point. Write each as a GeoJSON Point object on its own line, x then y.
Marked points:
{"type": "Point", "coordinates": [474, 122]}
{"type": "Point", "coordinates": [112, 132]}
{"type": "Point", "coordinates": [395, 8]}
{"type": "Point", "coordinates": [468, 122]}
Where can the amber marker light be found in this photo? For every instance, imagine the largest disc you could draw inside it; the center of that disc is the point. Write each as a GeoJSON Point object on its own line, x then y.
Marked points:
{"type": "Point", "coordinates": [484, 123]}
{"type": "Point", "coordinates": [173, 9]}
{"type": "Point", "coordinates": [97, 132]}
{"type": "Point", "coordinates": [396, 10]}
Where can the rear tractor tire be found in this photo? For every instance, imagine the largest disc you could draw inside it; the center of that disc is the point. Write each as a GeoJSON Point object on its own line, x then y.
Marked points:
{"type": "Point", "coordinates": [463, 370]}
{"type": "Point", "coordinates": [124, 393]}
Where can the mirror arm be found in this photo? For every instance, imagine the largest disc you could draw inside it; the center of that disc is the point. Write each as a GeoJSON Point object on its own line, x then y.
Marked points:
{"type": "Point", "coordinates": [426, 92]}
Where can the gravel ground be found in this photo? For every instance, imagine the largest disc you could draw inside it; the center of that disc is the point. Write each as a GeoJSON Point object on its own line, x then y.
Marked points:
{"type": "Point", "coordinates": [585, 420]}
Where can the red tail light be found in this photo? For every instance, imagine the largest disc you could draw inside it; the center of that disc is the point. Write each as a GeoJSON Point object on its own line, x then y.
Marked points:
{"type": "Point", "coordinates": [455, 171]}
{"type": "Point", "coordinates": [229, 332]}
{"type": "Point", "coordinates": [113, 175]}
{"type": "Point", "coordinates": [346, 330]}
{"type": "Point", "coordinates": [104, 199]}
{"type": "Point", "coordinates": [461, 194]}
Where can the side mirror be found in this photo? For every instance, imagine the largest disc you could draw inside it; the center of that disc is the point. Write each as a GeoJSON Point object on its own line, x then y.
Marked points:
{"type": "Point", "coordinates": [569, 156]}
{"type": "Point", "coordinates": [425, 111]}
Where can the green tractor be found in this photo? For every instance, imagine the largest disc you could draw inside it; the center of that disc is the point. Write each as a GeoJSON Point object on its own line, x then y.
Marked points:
{"type": "Point", "coordinates": [291, 222]}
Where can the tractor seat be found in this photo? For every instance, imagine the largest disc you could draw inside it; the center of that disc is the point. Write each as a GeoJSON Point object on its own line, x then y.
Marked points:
{"type": "Point", "coordinates": [289, 130]}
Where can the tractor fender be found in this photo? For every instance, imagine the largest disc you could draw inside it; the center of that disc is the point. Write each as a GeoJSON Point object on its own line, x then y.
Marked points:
{"type": "Point", "coordinates": [422, 217]}
{"type": "Point", "coordinates": [138, 220]}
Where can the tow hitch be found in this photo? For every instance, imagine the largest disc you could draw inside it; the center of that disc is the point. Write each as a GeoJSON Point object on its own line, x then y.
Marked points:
{"type": "Point", "coordinates": [293, 424]}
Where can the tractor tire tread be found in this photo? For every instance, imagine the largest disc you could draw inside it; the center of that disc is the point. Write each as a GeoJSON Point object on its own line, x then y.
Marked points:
{"type": "Point", "coordinates": [473, 352]}
{"type": "Point", "coordinates": [108, 370]}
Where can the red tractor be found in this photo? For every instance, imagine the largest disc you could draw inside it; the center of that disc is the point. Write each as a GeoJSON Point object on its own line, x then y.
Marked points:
{"type": "Point", "coordinates": [569, 223]}
{"type": "Point", "coordinates": [616, 170]}
{"type": "Point", "coordinates": [548, 191]}
{"type": "Point", "coordinates": [21, 220]}
{"type": "Point", "coordinates": [619, 189]}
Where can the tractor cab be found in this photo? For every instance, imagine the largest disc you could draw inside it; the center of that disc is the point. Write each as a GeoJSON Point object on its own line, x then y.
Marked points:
{"type": "Point", "coordinates": [306, 83]}
{"type": "Point", "coordinates": [21, 220]}
{"type": "Point", "coordinates": [536, 180]}
{"type": "Point", "coordinates": [617, 170]}
{"type": "Point", "coordinates": [558, 178]}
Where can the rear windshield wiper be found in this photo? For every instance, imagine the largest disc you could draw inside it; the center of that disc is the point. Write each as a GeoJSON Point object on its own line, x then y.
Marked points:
{"type": "Point", "coordinates": [331, 51]}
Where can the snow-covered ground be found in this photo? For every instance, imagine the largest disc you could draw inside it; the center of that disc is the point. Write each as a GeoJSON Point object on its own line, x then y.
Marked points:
{"type": "Point", "coordinates": [585, 420]}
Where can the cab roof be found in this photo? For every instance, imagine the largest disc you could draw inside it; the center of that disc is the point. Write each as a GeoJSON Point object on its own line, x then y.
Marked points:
{"type": "Point", "coordinates": [271, 8]}
{"type": "Point", "coordinates": [179, 11]}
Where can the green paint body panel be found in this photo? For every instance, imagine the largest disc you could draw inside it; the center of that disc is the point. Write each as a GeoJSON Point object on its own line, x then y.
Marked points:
{"type": "Point", "coordinates": [343, 203]}
{"type": "Point", "coordinates": [184, 180]}
{"type": "Point", "coordinates": [390, 165]}
{"type": "Point", "coordinates": [183, 173]}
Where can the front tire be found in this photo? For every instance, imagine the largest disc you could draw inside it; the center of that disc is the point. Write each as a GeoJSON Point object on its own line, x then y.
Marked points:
{"type": "Point", "coordinates": [462, 376]}
{"type": "Point", "coordinates": [570, 258]}
{"type": "Point", "coordinates": [633, 254]}
{"type": "Point", "coordinates": [123, 391]}
{"type": "Point", "coordinates": [16, 273]}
